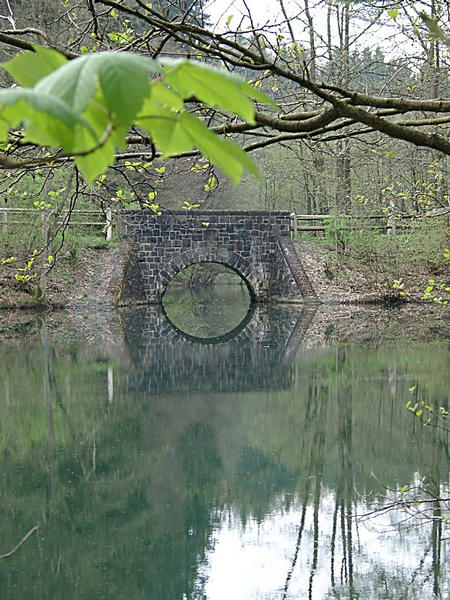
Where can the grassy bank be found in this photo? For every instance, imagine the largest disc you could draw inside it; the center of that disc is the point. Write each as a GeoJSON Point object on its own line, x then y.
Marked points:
{"type": "Point", "coordinates": [368, 266]}
{"type": "Point", "coordinates": [76, 265]}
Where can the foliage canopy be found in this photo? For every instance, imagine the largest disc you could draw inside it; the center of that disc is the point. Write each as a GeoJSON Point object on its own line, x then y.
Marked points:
{"type": "Point", "coordinates": [86, 106]}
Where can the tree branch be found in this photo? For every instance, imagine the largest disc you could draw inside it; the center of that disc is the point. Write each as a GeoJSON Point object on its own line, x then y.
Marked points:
{"type": "Point", "coordinates": [21, 543]}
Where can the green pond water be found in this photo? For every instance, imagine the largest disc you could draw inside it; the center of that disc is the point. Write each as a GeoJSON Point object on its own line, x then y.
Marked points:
{"type": "Point", "coordinates": [187, 463]}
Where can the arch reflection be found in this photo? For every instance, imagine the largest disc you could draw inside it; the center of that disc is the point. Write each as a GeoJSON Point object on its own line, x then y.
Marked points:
{"type": "Point", "coordinates": [254, 356]}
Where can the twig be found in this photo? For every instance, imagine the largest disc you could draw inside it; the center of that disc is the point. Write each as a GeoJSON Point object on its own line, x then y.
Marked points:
{"type": "Point", "coordinates": [22, 541]}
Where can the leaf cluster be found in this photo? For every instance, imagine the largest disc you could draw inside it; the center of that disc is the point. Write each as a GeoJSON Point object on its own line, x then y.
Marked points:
{"type": "Point", "coordinates": [84, 108]}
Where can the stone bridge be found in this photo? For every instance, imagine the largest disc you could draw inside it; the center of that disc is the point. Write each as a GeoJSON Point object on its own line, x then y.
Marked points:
{"type": "Point", "coordinates": [254, 244]}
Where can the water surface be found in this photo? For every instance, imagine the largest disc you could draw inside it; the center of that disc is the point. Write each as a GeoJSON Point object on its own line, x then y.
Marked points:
{"type": "Point", "coordinates": [244, 469]}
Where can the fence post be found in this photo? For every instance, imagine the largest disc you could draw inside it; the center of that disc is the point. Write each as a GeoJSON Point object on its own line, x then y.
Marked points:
{"type": "Point", "coordinates": [5, 223]}
{"type": "Point", "coordinates": [294, 225]}
{"type": "Point", "coordinates": [391, 224]}
{"type": "Point", "coordinates": [108, 224]}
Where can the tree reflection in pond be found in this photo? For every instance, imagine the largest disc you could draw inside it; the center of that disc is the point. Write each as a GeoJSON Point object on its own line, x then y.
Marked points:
{"type": "Point", "coordinates": [244, 492]}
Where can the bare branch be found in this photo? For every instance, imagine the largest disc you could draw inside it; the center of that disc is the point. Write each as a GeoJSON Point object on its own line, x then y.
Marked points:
{"type": "Point", "coordinates": [21, 543]}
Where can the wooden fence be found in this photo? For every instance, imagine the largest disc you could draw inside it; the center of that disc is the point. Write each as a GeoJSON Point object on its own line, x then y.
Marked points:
{"type": "Point", "coordinates": [79, 218]}
{"type": "Point", "coordinates": [385, 222]}
{"type": "Point", "coordinates": [299, 223]}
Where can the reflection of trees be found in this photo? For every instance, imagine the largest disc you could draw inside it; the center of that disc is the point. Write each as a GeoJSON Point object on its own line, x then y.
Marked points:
{"type": "Point", "coordinates": [128, 494]}
{"type": "Point", "coordinates": [333, 455]}
{"type": "Point", "coordinates": [207, 312]}
{"type": "Point", "coordinates": [316, 411]}
{"type": "Point", "coordinates": [124, 505]}
{"type": "Point", "coordinates": [424, 504]}
{"type": "Point", "coordinates": [345, 487]}
{"type": "Point", "coordinates": [316, 415]}
{"type": "Point", "coordinates": [440, 446]}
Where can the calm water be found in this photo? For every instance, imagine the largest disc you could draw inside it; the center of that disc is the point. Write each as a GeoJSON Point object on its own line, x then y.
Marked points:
{"type": "Point", "coordinates": [207, 314]}
{"type": "Point", "coordinates": [244, 469]}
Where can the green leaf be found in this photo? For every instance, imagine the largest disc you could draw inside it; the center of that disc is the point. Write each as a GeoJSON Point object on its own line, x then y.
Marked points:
{"type": "Point", "coordinates": [208, 86]}
{"type": "Point", "coordinates": [435, 31]}
{"type": "Point", "coordinates": [27, 68]}
{"type": "Point", "coordinates": [163, 126]}
{"type": "Point", "coordinates": [123, 78]}
{"type": "Point", "coordinates": [256, 94]}
{"type": "Point", "coordinates": [95, 163]}
{"type": "Point", "coordinates": [226, 155]}
{"type": "Point", "coordinates": [86, 105]}
{"type": "Point", "coordinates": [125, 82]}
{"type": "Point", "coordinates": [165, 96]}
{"type": "Point", "coordinates": [7, 261]}
{"type": "Point", "coordinates": [174, 133]}
{"type": "Point", "coordinates": [213, 87]}
{"type": "Point", "coordinates": [393, 13]}
{"type": "Point", "coordinates": [74, 83]}
{"type": "Point", "coordinates": [4, 128]}
{"type": "Point", "coordinates": [48, 121]}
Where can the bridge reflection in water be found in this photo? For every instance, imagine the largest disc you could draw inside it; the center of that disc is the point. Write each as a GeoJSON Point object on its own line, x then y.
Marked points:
{"type": "Point", "coordinates": [255, 355]}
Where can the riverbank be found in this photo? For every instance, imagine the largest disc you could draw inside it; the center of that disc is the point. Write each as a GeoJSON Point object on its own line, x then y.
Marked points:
{"type": "Point", "coordinates": [373, 276]}
{"type": "Point", "coordinates": [90, 278]}
{"type": "Point", "coordinates": [80, 280]}
{"type": "Point", "coordinates": [364, 324]}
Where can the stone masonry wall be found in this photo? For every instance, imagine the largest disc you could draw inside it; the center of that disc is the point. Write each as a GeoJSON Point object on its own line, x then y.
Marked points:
{"type": "Point", "coordinates": [247, 242]}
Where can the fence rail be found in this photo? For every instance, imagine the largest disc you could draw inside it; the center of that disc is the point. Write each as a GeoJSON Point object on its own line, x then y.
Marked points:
{"type": "Point", "coordinates": [105, 220]}
{"type": "Point", "coordinates": [299, 223]}
{"type": "Point", "coordinates": [388, 222]}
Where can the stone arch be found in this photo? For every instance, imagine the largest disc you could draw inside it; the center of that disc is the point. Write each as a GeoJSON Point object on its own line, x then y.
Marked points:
{"type": "Point", "coordinates": [223, 256]}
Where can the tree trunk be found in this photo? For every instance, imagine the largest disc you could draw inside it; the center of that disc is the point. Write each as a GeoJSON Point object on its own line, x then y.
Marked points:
{"type": "Point", "coordinates": [41, 289]}
{"type": "Point", "coordinates": [343, 162]}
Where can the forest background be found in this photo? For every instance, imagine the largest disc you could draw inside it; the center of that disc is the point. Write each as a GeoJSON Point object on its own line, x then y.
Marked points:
{"type": "Point", "coordinates": [361, 128]}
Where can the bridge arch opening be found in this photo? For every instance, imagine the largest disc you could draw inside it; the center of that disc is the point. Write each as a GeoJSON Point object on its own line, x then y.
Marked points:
{"type": "Point", "coordinates": [208, 301]}
{"type": "Point", "coordinates": [231, 260]}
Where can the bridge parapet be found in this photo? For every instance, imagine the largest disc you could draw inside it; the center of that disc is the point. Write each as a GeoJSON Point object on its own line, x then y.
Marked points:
{"type": "Point", "coordinates": [248, 242]}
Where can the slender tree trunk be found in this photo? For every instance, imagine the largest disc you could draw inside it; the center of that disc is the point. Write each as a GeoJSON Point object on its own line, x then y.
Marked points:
{"type": "Point", "coordinates": [41, 290]}
{"type": "Point", "coordinates": [343, 162]}
{"type": "Point", "coordinates": [329, 44]}
{"type": "Point", "coordinates": [312, 43]}
{"type": "Point", "coordinates": [434, 61]}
